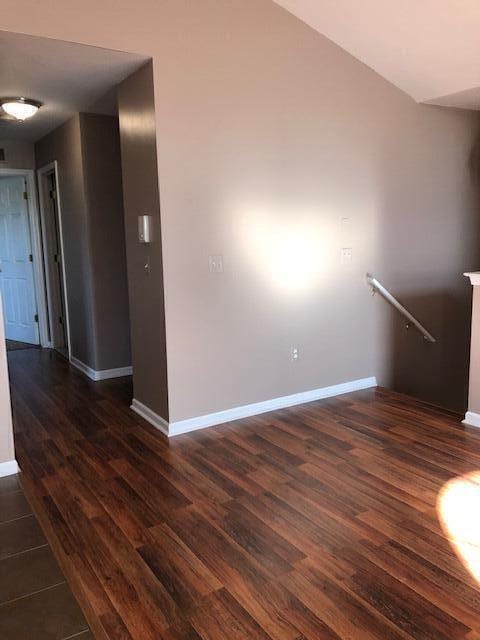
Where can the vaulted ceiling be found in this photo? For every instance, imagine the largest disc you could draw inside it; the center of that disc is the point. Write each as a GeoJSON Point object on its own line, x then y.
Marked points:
{"type": "Point", "coordinates": [428, 48]}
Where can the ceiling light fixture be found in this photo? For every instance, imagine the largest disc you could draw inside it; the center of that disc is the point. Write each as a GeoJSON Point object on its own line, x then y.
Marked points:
{"type": "Point", "coordinates": [20, 108]}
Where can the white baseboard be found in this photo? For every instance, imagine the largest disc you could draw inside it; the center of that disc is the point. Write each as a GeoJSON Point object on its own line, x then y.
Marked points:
{"type": "Point", "coordinates": [9, 468]}
{"type": "Point", "coordinates": [211, 419]}
{"type": "Point", "coordinates": [472, 419]}
{"type": "Point", "coordinates": [102, 374]}
{"type": "Point", "coordinates": [245, 411]}
{"type": "Point", "coordinates": [150, 416]}
{"type": "Point", "coordinates": [105, 374]}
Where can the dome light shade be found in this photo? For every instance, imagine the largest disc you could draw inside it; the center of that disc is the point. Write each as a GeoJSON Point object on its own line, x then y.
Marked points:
{"type": "Point", "coordinates": [20, 108]}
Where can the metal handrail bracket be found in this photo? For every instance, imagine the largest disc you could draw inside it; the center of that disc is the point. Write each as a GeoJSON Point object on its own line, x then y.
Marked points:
{"type": "Point", "coordinates": [377, 286]}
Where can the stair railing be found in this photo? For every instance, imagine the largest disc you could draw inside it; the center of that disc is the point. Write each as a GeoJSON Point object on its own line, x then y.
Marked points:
{"type": "Point", "coordinates": [377, 286]}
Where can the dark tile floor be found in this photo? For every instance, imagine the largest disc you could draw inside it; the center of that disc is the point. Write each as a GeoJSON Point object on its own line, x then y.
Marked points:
{"type": "Point", "coordinates": [35, 600]}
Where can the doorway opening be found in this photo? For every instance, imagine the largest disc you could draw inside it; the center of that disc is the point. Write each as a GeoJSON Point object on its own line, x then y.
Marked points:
{"type": "Point", "coordinates": [55, 279]}
{"type": "Point", "coordinates": [21, 264]}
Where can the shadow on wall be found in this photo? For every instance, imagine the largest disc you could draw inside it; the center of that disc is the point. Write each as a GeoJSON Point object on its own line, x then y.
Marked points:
{"type": "Point", "coordinates": [441, 206]}
{"type": "Point", "coordinates": [474, 163]}
{"type": "Point", "coordinates": [435, 372]}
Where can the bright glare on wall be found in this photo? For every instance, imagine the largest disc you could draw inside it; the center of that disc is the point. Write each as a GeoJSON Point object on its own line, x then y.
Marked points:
{"type": "Point", "coordinates": [289, 252]}
{"type": "Point", "coordinates": [20, 108]}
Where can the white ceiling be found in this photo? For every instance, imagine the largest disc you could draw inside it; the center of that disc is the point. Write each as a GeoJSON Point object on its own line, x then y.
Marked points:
{"type": "Point", "coordinates": [428, 48]}
{"type": "Point", "coordinates": [65, 77]}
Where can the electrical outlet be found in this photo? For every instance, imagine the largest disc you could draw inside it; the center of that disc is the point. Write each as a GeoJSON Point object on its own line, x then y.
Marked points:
{"type": "Point", "coordinates": [294, 353]}
{"type": "Point", "coordinates": [346, 255]}
{"type": "Point", "coordinates": [215, 264]}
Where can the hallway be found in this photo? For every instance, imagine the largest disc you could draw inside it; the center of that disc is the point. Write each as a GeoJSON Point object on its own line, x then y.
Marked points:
{"type": "Point", "coordinates": [317, 521]}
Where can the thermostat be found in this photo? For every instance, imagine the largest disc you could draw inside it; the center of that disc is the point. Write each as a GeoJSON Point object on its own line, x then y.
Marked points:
{"type": "Point", "coordinates": [145, 229]}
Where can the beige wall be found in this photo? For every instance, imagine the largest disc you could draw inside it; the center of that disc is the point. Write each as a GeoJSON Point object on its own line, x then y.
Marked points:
{"type": "Point", "coordinates": [141, 197]}
{"type": "Point", "coordinates": [7, 451]}
{"type": "Point", "coordinates": [263, 149]}
{"type": "Point", "coordinates": [18, 155]}
{"type": "Point", "coordinates": [88, 155]}
{"type": "Point", "coordinates": [268, 135]}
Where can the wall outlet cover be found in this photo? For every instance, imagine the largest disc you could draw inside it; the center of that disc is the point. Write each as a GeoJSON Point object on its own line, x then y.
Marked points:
{"type": "Point", "coordinates": [215, 264]}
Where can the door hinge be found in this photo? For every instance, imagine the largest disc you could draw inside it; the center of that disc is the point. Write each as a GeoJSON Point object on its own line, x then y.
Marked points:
{"type": "Point", "coordinates": [30, 257]}
{"type": "Point", "coordinates": [52, 194]}
{"type": "Point", "coordinates": [55, 257]}
{"type": "Point", "coordinates": [60, 319]}
{"type": "Point", "coordinates": [36, 317]}
{"type": "Point", "coordinates": [25, 195]}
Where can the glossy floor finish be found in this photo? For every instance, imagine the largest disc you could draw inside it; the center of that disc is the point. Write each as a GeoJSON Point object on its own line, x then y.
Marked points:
{"type": "Point", "coordinates": [35, 601]}
{"type": "Point", "coordinates": [317, 522]}
{"type": "Point", "coordinates": [13, 345]}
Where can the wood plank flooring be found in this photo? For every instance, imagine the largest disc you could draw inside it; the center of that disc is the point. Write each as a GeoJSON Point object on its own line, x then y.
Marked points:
{"type": "Point", "coordinates": [316, 522]}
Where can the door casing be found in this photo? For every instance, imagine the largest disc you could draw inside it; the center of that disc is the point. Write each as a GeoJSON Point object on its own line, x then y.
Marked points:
{"type": "Point", "coordinates": [42, 174]}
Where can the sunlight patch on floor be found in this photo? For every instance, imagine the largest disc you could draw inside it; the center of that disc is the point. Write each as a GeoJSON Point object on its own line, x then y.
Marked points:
{"type": "Point", "coordinates": [458, 508]}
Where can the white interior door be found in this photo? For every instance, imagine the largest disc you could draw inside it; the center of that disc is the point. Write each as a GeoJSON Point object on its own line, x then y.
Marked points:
{"type": "Point", "coordinates": [16, 267]}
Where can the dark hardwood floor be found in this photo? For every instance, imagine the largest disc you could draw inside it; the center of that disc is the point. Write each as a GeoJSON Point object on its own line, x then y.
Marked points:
{"type": "Point", "coordinates": [317, 522]}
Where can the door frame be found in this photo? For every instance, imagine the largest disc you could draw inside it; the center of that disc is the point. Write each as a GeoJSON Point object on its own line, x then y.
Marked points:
{"type": "Point", "coordinates": [37, 250]}
{"type": "Point", "coordinates": [41, 173]}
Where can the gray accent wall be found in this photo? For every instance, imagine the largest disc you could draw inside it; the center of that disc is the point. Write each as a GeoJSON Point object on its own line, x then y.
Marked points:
{"type": "Point", "coordinates": [18, 154]}
{"type": "Point", "coordinates": [87, 151]}
{"type": "Point", "coordinates": [104, 199]}
{"type": "Point", "coordinates": [64, 145]}
{"type": "Point", "coordinates": [136, 105]}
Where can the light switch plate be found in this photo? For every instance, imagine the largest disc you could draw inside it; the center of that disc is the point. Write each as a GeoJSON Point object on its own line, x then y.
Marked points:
{"type": "Point", "coordinates": [346, 255]}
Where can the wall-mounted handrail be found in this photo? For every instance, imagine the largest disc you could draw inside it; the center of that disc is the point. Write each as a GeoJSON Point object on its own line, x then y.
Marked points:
{"type": "Point", "coordinates": [377, 286]}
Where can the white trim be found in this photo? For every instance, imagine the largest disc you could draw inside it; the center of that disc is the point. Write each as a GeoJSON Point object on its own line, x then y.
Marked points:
{"type": "Point", "coordinates": [83, 367]}
{"type": "Point", "coordinates": [472, 419]}
{"type": "Point", "coordinates": [53, 166]}
{"type": "Point", "coordinates": [474, 277]}
{"type": "Point", "coordinates": [201, 422]}
{"type": "Point", "coordinates": [9, 468]}
{"type": "Point", "coordinates": [120, 372]}
{"type": "Point", "coordinates": [245, 411]}
{"type": "Point", "coordinates": [150, 416]}
{"type": "Point", "coordinates": [101, 374]}
{"type": "Point", "coordinates": [37, 252]}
